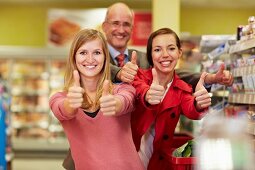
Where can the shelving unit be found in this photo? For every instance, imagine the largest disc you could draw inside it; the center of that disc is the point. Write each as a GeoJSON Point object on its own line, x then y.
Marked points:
{"type": "Point", "coordinates": [34, 74]}
{"type": "Point", "coordinates": [243, 91]}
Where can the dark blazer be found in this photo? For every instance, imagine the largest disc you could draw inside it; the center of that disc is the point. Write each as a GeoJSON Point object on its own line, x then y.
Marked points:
{"type": "Point", "coordinates": [141, 62]}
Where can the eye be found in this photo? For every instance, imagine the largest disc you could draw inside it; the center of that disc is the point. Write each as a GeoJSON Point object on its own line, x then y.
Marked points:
{"type": "Point", "coordinates": [156, 50]}
{"type": "Point", "coordinates": [172, 48]}
{"type": "Point", "coordinates": [126, 24]}
{"type": "Point", "coordinates": [97, 52]}
{"type": "Point", "coordinates": [115, 23]}
{"type": "Point", "coordinates": [82, 52]}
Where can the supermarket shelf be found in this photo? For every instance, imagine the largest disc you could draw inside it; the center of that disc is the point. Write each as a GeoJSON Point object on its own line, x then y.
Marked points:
{"type": "Point", "coordinates": [40, 148]}
{"type": "Point", "coordinates": [241, 71]}
{"type": "Point", "coordinates": [251, 127]}
{"type": "Point", "coordinates": [241, 98]}
{"type": "Point", "coordinates": [41, 144]}
{"type": "Point", "coordinates": [221, 93]}
{"type": "Point", "coordinates": [242, 46]}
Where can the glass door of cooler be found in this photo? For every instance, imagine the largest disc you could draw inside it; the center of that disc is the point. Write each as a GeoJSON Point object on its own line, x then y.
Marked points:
{"type": "Point", "coordinates": [56, 82]}
{"type": "Point", "coordinates": [30, 91]}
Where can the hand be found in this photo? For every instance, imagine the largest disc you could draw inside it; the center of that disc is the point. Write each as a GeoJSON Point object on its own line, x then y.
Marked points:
{"type": "Point", "coordinates": [107, 101]}
{"type": "Point", "coordinates": [202, 97]}
{"type": "Point", "coordinates": [129, 70]}
{"type": "Point", "coordinates": [156, 92]}
{"type": "Point", "coordinates": [224, 77]}
{"type": "Point", "coordinates": [75, 92]}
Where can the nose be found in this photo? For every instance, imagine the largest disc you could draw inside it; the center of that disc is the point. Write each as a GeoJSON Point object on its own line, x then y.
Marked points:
{"type": "Point", "coordinates": [90, 58]}
{"type": "Point", "coordinates": [165, 53]}
{"type": "Point", "coordinates": [121, 28]}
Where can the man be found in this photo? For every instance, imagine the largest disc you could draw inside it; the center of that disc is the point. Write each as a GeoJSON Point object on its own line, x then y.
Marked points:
{"type": "Point", "coordinates": [118, 27]}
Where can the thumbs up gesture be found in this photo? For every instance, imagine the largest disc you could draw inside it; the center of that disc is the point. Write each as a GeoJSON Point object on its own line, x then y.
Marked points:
{"type": "Point", "coordinates": [224, 77]}
{"type": "Point", "coordinates": [156, 92]}
{"type": "Point", "coordinates": [108, 103]}
{"type": "Point", "coordinates": [202, 97]}
{"type": "Point", "coordinates": [129, 70]}
{"type": "Point", "coordinates": [75, 92]}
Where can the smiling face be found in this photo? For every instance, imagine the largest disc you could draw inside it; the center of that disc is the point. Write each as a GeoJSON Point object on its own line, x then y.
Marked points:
{"type": "Point", "coordinates": [90, 58]}
{"type": "Point", "coordinates": [165, 53]}
{"type": "Point", "coordinates": [118, 26]}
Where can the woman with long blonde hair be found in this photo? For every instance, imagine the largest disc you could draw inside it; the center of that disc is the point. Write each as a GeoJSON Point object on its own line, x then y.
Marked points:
{"type": "Point", "coordinates": [94, 113]}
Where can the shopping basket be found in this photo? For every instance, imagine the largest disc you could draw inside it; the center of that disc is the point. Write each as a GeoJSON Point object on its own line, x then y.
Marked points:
{"type": "Point", "coordinates": [182, 163]}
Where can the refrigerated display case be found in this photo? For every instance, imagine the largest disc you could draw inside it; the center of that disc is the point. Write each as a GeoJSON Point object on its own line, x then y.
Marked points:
{"type": "Point", "coordinates": [34, 74]}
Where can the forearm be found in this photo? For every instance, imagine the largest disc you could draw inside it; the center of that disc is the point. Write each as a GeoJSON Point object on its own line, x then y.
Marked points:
{"type": "Point", "coordinates": [210, 78]}
{"type": "Point", "coordinates": [69, 111]}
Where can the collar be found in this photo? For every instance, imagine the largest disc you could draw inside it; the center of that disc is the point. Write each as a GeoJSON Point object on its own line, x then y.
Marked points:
{"type": "Point", "coordinates": [114, 53]}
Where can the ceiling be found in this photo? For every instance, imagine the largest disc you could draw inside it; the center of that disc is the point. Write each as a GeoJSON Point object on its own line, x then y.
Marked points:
{"type": "Point", "coordinates": [146, 3]}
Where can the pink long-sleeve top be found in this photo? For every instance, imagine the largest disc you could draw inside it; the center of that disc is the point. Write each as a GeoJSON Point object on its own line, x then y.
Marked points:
{"type": "Point", "coordinates": [103, 142]}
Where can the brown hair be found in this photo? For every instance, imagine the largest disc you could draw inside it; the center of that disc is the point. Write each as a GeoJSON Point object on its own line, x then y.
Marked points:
{"type": "Point", "coordinates": [155, 34]}
{"type": "Point", "coordinates": [82, 37]}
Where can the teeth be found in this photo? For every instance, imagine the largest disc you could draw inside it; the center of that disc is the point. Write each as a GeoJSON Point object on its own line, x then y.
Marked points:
{"type": "Point", "coordinates": [90, 66]}
{"type": "Point", "coordinates": [120, 37]}
{"type": "Point", "coordinates": [165, 63]}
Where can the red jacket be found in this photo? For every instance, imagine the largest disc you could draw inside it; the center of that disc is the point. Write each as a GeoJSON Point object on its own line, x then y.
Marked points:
{"type": "Point", "coordinates": [178, 100]}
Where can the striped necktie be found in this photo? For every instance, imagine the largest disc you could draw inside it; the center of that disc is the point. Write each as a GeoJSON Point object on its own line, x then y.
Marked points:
{"type": "Point", "coordinates": [120, 59]}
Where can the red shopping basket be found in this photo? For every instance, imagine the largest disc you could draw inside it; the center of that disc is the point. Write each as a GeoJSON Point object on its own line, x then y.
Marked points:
{"type": "Point", "coordinates": [182, 163]}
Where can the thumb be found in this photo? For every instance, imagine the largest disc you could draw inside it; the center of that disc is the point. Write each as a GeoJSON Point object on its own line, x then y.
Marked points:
{"type": "Point", "coordinates": [154, 76]}
{"type": "Point", "coordinates": [106, 87]}
{"type": "Point", "coordinates": [201, 81]}
{"type": "Point", "coordinates": [76, 77]}
{"type": "Point", "coordinates": [134, 57]}
{"type": "Point", "coordinates": [221, 69]}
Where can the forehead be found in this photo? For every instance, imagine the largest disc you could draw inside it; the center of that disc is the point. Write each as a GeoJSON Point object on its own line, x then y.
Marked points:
{"type": "Point", "coordinates": [95, 43]}
{"type": "Point", "coordinates": [120, 14]}
{"type": "Point", "coordinates": [168, 39]}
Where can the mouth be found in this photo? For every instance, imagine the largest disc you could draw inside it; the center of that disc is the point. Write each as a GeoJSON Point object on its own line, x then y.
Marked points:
{"type": "Point", "coordinates": [165, 63]}
{"type": "Point", "coordinates": [90, 66]}
{"type": "Point", "coordinates": [120, 37]}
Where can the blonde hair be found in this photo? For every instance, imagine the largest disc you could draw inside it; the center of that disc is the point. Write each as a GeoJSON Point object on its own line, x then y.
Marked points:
{"type": "Point", "coordinates": [82, 37]}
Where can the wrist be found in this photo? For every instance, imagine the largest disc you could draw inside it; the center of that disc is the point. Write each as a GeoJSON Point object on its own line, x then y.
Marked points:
{"type": "Point", "coordinates": [210, 79]}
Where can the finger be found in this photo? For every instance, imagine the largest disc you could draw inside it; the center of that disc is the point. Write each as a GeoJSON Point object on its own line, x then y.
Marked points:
{"type": "Point", "coordinates": [106, 87]}
{"type": "Point", "coordinates": [221, 69]}
{"type": "Point", "coordinates": [156, 87]}
{"type": "Point", "coordinates": [205, 105]}
{"type": "Point", "coordinates": [203, 97]}
{"type": "Point", "coordinates": [154, 76]}
{"type": "Point", "coordinates": [108, 109]}
{"type": "Point", "coordinates": [76, 77]}
{"type": "Point", "coordinates": [200, 92]}
{"type": "Point", "coordinates": [75, 91]}
{"type": "Point", "coordinates": [129, 72]}
{"type": "Point", "coordinates": [108, 104]}
{"type": "Point", "coordinates": [76, 105]}
{"type": "Point", "coordinates": [200, 84]}
{"type": "Point", "coordinates": [154, 102]}
{"type": "Point", "coordinates": [205, 101]}
{"type": "Point", "coordinates": [134, 57]}
{"type": "Point", "coordinates": [202, 78]}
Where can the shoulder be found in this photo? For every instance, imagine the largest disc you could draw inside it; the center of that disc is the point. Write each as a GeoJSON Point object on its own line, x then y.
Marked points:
{"type": "Point", "coordinates": [139, 53]}
{"type": "Point", "coordinates": [122, 87]}
{"type": "Point", "coordinates": [58, 95]}
{"type": "Point", "coordinates": [180, 84]}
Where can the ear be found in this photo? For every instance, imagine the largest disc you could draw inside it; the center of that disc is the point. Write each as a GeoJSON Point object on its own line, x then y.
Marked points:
{"type": "Point", "coordinates": [104, 26]}
{"type": "Point", "coordinates": [180, 53]}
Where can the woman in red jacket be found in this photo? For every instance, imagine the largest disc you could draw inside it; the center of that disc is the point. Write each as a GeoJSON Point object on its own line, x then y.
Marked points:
{"type": "Point", "coordinates": [162, 97]}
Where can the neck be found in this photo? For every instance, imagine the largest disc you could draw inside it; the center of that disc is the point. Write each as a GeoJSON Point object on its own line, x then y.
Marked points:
{"type": "Point", "coordinates": [90, 84]}
{"type": "Point", "coordinates": [165, 79]}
